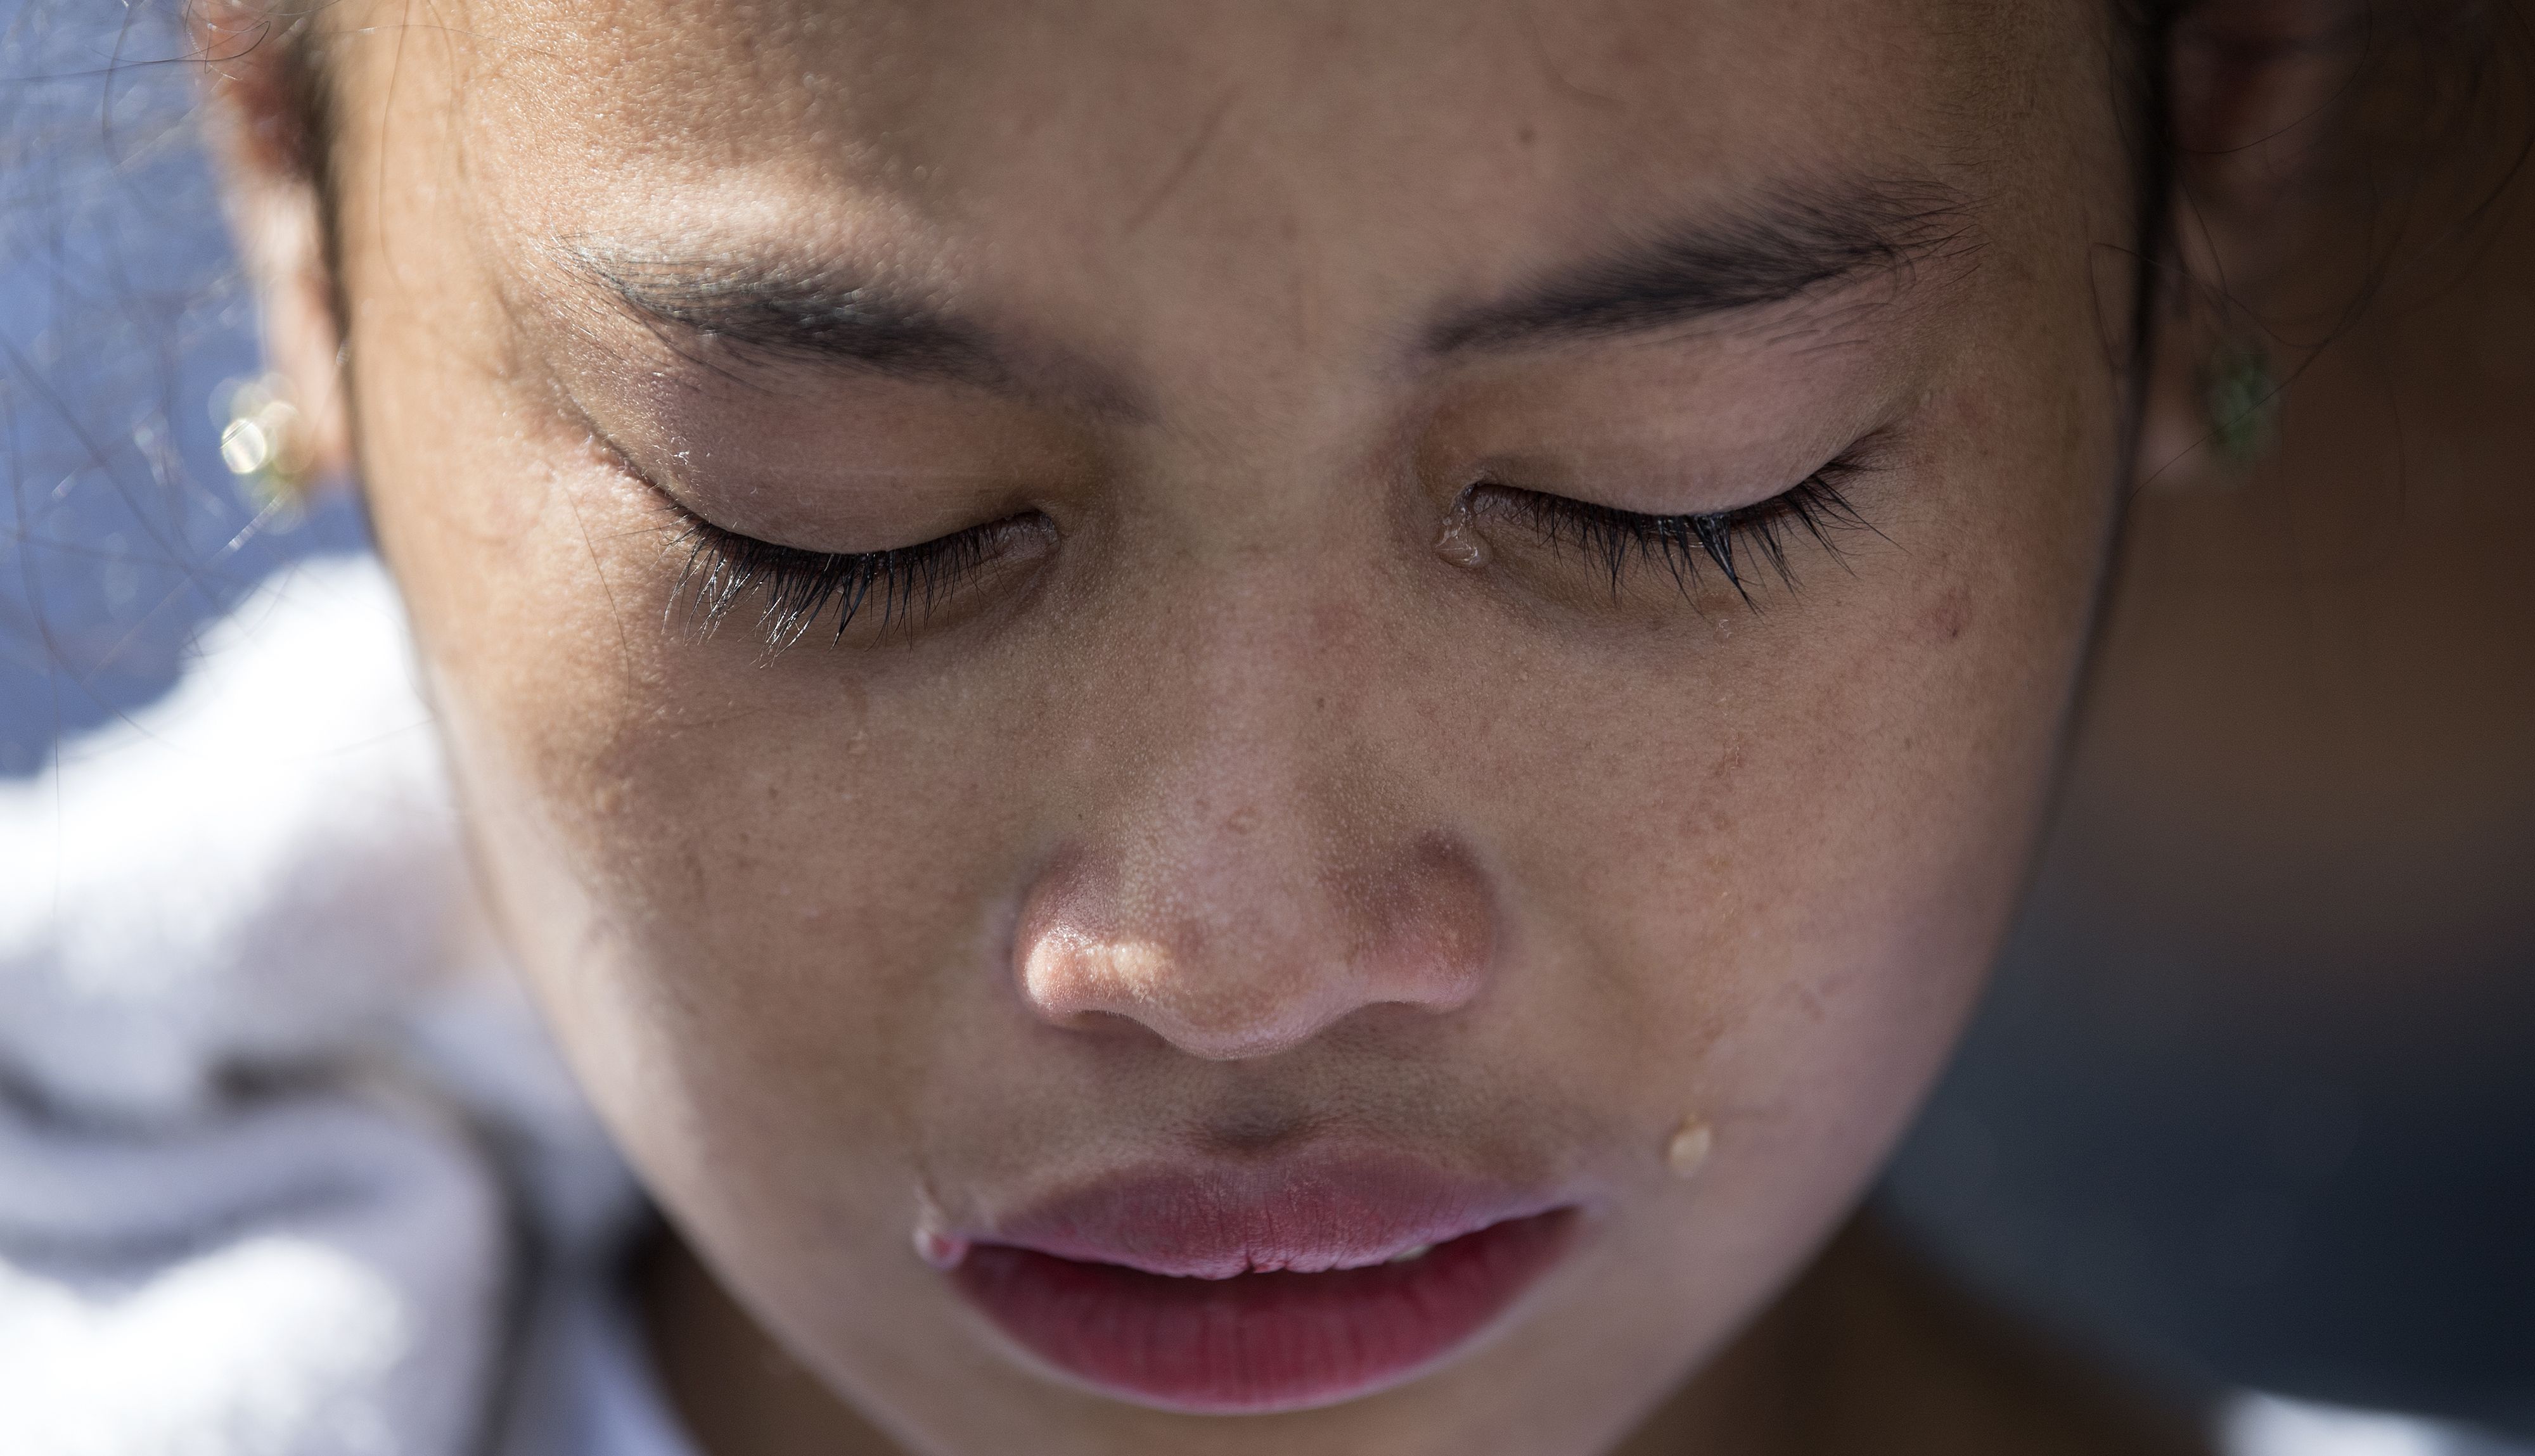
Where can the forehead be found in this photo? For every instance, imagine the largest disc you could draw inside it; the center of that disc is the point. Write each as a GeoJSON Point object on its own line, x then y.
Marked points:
{"type": "Point", "coordinates": [935, 100]}
{"type": "Point", "coordinates": [894, 74]}
{"type": "Point", "coordinates": [1174, 155]}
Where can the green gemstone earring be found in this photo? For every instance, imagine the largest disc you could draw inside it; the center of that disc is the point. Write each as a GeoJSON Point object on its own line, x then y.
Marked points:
{"type": "Point", "coordinates": [2240, 392]}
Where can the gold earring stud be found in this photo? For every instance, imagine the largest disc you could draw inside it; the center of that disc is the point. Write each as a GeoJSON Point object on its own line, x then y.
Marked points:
{"type": "Point", "coordinates": [266, 445]}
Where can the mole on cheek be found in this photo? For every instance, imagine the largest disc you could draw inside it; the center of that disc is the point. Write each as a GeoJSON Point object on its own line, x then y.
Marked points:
{"type": "Point", "coordinates": [1952, 614]}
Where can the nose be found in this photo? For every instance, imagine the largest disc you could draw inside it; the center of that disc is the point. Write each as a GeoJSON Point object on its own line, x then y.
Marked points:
{"type": "Point", "coordinates": [1237, 930]}
{"type": "Point", "coordinates": [1262, 836]}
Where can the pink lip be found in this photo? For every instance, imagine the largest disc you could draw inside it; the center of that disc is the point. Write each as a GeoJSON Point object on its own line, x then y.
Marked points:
{"type": "Point", "coordinates": [1259, 1290]}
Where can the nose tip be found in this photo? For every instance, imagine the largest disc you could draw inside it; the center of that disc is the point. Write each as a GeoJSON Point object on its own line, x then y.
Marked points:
{"type": "Point", "coordinates": [1205, 1009]}
{"type": "Point", "coordinates": [1231, 974]}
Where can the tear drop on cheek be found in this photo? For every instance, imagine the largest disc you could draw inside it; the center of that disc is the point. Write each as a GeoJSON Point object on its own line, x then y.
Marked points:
{"type": "Point", "coordinates": [940, 1250]}
{"type": "Point", "coordinates": [1459, 543]}
{"type": "Point", "coordinates": [1688, 1151]}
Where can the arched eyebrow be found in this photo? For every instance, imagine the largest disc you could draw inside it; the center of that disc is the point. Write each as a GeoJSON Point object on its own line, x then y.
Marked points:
{"type": "Point", "coordinates": [784, 314]}
{"type": "Point", "coordinates": [1796, 245]}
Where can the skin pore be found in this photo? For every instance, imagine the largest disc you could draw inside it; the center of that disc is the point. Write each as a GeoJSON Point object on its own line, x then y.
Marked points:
{"type": "Point", "coordinates": [1310, 751]}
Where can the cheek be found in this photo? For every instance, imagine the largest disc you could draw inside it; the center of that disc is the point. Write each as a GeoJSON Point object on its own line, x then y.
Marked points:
{"type": "Point", "coordinates": [1764, 870]}
{"type": "Point", "coordinates": [733, 883]}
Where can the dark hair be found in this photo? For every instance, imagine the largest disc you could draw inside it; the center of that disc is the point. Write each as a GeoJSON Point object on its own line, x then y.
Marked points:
{"type": "Point", "coordinates": [2417, 126]}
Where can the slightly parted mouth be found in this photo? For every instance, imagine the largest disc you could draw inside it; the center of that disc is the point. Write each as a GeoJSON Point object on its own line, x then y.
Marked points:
{"type": "Point", "coordinates": [1262, 1289]}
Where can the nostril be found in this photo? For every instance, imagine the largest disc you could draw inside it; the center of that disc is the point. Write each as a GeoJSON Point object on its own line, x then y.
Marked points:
{"type": "Point", "coordinates": [1433, 924]}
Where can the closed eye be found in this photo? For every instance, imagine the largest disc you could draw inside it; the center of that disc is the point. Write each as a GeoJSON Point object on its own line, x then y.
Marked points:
{"type": "Point", "coordinates": [1732, 543]}
{"type": "Point", "coordinates": [798, 590]}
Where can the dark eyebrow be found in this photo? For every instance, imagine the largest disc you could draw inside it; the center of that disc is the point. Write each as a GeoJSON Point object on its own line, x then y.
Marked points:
{"type": "Point", "coordinates": [780, 314]}
{"type": "Point", "coordinates": [1795, 245]}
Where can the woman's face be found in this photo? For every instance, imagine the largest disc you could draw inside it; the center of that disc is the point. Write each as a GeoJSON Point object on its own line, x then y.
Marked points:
{"type": "Point", "coordinates": [1324, 797]}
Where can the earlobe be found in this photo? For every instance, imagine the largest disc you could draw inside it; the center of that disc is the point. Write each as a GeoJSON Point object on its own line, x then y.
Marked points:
{"type": "Point", "coordinates": [2257, 89]}
{"type": "Point", "coordinates": [265, 133]}
{"type": "Point", "coordinates": [2214, 391]}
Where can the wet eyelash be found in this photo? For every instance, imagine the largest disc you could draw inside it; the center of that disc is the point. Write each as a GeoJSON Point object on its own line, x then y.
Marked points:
{"type": "Point", "coordinates": [797, 586]}
{"type": "Point", "coordinates": [1685, 545]}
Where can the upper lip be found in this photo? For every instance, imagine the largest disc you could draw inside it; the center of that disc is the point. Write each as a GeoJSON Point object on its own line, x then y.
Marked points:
{"type": "Point", "coordinates": [1307, 1215]}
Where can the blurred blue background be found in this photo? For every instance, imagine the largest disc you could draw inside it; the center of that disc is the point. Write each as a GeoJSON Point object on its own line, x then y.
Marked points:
{"type": "Point", "coordinates": [2135, 1144]}
{"type": "Point", "coordinates": [120, 315]}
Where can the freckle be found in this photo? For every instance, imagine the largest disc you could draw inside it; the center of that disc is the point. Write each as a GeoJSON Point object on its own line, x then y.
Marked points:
{"type": "Point", "coordinates": [1689, 1149]}
{"type": "Point", "coordinates": [1952, 614]}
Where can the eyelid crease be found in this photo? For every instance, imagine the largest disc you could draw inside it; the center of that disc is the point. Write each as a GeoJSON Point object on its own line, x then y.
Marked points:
{"type": "Point", "coordinates": [1683, 544]}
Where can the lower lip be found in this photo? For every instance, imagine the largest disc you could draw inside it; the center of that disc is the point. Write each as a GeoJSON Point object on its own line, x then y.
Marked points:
{"type": "Point", "coordinates": [1259, 1342]}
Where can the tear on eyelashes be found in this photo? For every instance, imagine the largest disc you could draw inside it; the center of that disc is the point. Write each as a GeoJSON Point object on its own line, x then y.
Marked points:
{"type": "Point", "coordinates": [1456, 543]}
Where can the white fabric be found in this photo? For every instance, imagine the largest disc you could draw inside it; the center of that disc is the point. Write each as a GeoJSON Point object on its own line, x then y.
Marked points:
{"type": "Point", "coordinates": [308, 1275]}
{"type": "Point", "coordinates": [252, 872]}
{"type": "Point", "coordinates": [265, 1162]}
{"type": "Point", "coordinates": [2267, 1425]}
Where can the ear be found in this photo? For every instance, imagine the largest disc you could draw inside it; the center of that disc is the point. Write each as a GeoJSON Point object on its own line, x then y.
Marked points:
{"type": "Point", "coordinates": [265, 130]}
{"type": "Point", "coordinates": [2258, 90]}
